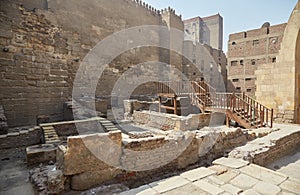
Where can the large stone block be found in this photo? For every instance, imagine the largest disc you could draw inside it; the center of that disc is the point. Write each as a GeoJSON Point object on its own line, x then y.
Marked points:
{"type": "Point", "coordinates": [92, 152]}
{"type": "Point", "coordinates": [40, 154]}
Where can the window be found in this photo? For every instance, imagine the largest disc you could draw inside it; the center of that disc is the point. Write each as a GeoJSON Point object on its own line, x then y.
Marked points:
{"type": "Point", "coordinates": [235, 80]}
{"type": "Point", "coordinates": [238, 88]}
{"type": "Point", "coordinates": [248, 79]}
{"type": "Point", "coordinates": [273, 40]}
{"type": "Point", "coordinates": [233, 63]}
{"type": "Point", "coordinates": [249, 90]}
{"type": "Point", "coordinates": [253, 62]}
{"type": "Point", "coordinates": [241, 62]}
{"type": "Point", "coordinates": [194, 73]}
{"type": "Point", "coordinates": [274, 60]}
{"type": "Point", "coordinates": [233, 43]}
{"type": "Point", "coordinates": [255, 42]}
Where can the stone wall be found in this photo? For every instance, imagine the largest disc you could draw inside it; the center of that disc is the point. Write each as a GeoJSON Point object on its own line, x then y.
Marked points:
{"type": "Point", "coordinates": [43, 43]}
{"type": "Point", "coordinates": [162, 154]}
{"type": "Point", "coordinates": [265, 150]}
{"type": "Point", "coordinates": [170, 121]}
{"type": "Point", "coordinates": [278, 83]}
{"type": "Point", "coordinates": [29, 137]}
{"type": "Point", "coordinates": [3, 121]}
{"type": "Point", "coordinates": [206, 30]}
{"type": "Point", "coordinates": [134, 105]}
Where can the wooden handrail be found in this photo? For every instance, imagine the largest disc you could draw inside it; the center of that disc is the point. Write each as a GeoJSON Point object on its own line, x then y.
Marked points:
{"type": "Point", "coordinates": [205, 96]}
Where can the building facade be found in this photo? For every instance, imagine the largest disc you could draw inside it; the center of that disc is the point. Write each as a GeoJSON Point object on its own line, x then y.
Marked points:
{"type": "Point", "coordinates": [206, 30]}
{"type": "Point", "coordinates": [249, 50]}
{"type": "Point", "coordinates": [278, 84]}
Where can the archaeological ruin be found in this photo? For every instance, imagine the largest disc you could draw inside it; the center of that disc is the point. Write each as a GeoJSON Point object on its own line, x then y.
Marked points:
{"type": "Point", "coordinates": [118, 97]}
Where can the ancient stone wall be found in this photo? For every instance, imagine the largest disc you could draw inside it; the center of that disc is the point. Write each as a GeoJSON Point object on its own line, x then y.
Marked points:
{"type": "Point", "coordinates": [171, 122]}
{"type": "Point", "coordinates": [85, 170]}
{"type": "Point", "coordinates": [32, 136]}
{"type": "Point", "coordinates": [249, 50]}
{"type": "Point", "coordinates": [43, 43]}
{"type": "Point", "coordinates": [278, 83]}
{"type": "Point", "coordinates": [265, 150]}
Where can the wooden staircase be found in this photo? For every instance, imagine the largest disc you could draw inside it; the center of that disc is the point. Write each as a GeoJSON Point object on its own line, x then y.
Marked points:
{"type": "Point", "coordinates": [244, 110]}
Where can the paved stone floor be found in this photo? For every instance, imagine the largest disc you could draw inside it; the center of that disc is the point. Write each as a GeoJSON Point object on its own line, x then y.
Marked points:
{"type": "Point", "coordinates": [226, 176]}
{"type": "Point", "coordinates": [288, 165]}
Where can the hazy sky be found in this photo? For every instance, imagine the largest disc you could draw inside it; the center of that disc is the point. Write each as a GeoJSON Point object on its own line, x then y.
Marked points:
{"type": "Point", "coordinates": [238, 15]}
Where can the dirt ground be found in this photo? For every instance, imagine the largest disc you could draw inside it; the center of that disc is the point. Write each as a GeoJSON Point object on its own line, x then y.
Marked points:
{"type": "Point", "coordinates": [14, 177]}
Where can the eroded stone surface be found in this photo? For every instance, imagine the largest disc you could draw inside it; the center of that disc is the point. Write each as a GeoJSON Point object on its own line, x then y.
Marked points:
{"type": "Point", "coordinates": [197, 174]}
{"type": "Point", "coordinates": [230, 162]}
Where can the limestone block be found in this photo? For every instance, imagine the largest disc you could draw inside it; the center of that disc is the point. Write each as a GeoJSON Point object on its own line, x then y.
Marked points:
{"type": "Point", "coordinates": [197, 174]}
{"type": "Point", "coordinates": [89, 179]}
{"type": "Point", "coordinates": [40, 153]}
{"type": "Point", "coordinates": [92, 152]}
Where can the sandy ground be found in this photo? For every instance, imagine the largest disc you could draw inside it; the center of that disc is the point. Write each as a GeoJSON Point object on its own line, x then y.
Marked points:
{"type": "Point", "coordinates": [14, 173]}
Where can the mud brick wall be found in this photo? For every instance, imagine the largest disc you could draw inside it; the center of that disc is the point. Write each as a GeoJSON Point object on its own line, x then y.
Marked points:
{"type": "Point", "coordinates": [28, 137]}
{"type": "Point", "coordinates": [43, 43]}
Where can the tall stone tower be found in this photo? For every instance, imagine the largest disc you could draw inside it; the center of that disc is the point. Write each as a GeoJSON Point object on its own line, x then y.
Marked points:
{"type": "Point", "coordinates": [206, 30]}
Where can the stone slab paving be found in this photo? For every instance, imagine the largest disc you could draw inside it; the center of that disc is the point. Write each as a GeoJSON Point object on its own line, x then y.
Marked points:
{"type": "Point", "coordinates": [288, 165]}
{"type": "Point", "coordinates": [197, 174]}
{"type": "Point", "coordinates": [226, 176]}
{"type": "Point", "coordinates": [230, 162]}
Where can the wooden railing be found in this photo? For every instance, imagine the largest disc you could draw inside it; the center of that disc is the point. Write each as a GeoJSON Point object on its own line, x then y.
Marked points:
{"type": "Point", "coordinates": [207, 99]}
{"type": "Point", "coordinates": [252, 111]}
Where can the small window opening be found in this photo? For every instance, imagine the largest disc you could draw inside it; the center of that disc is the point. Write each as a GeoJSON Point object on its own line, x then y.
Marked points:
{"type": "Point", "coordinates": [235, 80]}
{"type": "Point", "coordinates": [233, 63]}
{"type": "Point", "coordinates": [255, 42]}
{"type": "Point", "coordinates": [241, 62]}
{"type": "Point", "coordinates": [273, 60]}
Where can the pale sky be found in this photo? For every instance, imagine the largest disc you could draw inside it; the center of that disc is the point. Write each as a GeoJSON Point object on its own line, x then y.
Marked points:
{"type": "Point", "coordinates": [238, 15]}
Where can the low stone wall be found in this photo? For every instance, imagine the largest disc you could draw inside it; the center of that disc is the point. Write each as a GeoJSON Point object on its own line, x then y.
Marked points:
{"type": "Point", "coordinates": [29, 137]}
{"type": "Point", "coordinates": [135, 105]}
{"type": "Point", "coordinates": [265, 150]}
{"type": "Point", "coordinates": [68, 128]}
{"type": "Point", "coordinates": [284, 116]}
{"type": "Point", "coordinates": [170, 121]}
{"type": "Point", "coordinates": [156, 155]}
{"type": "Point", "coordinates": [43, 153]}
{"type": "Point", "coordinates": [83, 109]}
{"type": "Point", "coordinates": [3, 122]}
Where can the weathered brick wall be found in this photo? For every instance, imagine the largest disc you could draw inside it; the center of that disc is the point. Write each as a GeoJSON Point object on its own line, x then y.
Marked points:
{"type": "Point", "coordinates": [41, 50]}
{"type": "Point", "coordinates": [250, 49]}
